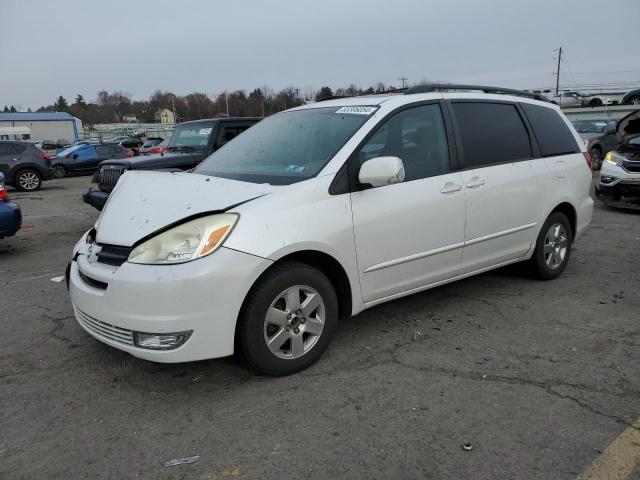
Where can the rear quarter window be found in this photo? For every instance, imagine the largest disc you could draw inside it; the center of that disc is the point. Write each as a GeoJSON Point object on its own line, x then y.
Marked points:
{"type": "Point", "coordinates": [19, 148]}
{"type": "Point", "coordinates": [551, 131]}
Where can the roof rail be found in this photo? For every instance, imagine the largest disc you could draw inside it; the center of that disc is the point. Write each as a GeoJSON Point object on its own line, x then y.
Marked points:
{"type": "Point", "coordinates": [436, 87]}
{"type": "Point", "coordinates": [330, 97]}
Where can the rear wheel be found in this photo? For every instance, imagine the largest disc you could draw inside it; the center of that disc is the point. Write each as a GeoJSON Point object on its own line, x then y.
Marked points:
{"type": "Point", "coordinates": [287, 320]}
{"type": "Point", "coordinates": [58, 171]}
{"type": "Point", "coordinates": [596, 158]}
{"type": "Point", "coordinates": [28, 180]}
{"type": "Point", "coordinates": [595, 102]}
{"type": "Point", "coordinates": [553, 247]}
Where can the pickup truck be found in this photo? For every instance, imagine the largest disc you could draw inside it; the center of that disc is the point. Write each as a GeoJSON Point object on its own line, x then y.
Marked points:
{"type": "Point", "coordinates": [191, 142]}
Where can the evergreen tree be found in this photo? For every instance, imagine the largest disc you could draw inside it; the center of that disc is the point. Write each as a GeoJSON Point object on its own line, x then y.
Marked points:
{"type": "Point", "coordinates": [6, 109]}
{"type": "Point", "coordinates": [80, 100]}
{"type": "Point", "coordinates": [13, 109]}
{"type": "Point", "coordinates": [61, 104]}
{"type": "Point", "coordinates": [324, 92]}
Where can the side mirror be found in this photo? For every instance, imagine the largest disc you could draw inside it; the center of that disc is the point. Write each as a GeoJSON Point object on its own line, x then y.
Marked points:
{"type": "Point", "coordinates": [75, 156]}
{"type": "Point", "coordinates": [380, 171]}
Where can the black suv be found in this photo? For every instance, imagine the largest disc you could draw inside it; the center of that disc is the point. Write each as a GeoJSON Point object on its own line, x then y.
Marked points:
{"type": "Point", "coordinates": [191, 142]}
{"type": "Point", "coordinates": [24, 165]}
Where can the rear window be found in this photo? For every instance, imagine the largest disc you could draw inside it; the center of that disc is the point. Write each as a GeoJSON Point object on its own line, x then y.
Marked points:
{"type": "Point", "coordinates": [551, 131]}
{"type": "Point", "coordinates": [491, 133]}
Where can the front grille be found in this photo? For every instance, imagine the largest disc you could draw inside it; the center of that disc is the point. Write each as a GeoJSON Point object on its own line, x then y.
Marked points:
{"type": "Point", "coordinates": [103, 329]}
{"type": "Point", "coordinates": [633, 167]}
{"type": "Point", "coordinates": [113, 254]}
{"type": "Point", "coordinates": [108, 177]}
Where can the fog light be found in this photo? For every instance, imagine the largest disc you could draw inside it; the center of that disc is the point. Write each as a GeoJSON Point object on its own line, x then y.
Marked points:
{"type": "Point", "coordinates": [607, 178]}
{"type": "Point", "coordinates": [161, 341]}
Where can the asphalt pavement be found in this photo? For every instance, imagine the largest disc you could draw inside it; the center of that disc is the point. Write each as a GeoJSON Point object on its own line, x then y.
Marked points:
{"type": "Point", "coordinates": [538, 377]}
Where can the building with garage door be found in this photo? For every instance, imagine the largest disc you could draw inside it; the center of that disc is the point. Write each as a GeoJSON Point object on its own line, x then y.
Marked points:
{"type": "Point", "coordinates": [39, 126]}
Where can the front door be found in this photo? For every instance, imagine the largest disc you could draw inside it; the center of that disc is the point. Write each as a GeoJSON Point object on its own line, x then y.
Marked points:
{"type": "Point", "coordinates": [410, 234]}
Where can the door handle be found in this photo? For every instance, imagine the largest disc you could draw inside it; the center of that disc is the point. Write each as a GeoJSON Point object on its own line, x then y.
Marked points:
{"type": "Point", "coordinates": [475, 182]}
{"type": "Point", "coordinates": [450, 187]}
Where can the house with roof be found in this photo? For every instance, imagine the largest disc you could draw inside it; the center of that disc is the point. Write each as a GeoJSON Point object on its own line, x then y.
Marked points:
{"type": "Point", "coordinates": [39, 126]}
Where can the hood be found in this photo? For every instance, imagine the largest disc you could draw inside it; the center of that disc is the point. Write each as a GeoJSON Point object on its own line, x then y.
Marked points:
{"type": "Point", "coordinates": [153, 161]}
{"type": "Point", "coordinates": [628, 127]}
{"type": "Point", "coordinates": [145, 201]}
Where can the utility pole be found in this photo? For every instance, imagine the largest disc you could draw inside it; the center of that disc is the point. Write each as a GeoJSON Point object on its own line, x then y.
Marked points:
{"type": "Point", "coordinates": [297, 93]}
{"type": "Point", "coordinates": [226, 101]}
{"type": "Point", "coordinates": [404, 81]}
{"type": "Point", "coordinates": [173, 107]}
{"type": "Point", "coordinates": [558, 70]}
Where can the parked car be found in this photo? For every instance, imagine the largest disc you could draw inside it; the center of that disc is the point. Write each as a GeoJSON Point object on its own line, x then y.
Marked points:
{"type": "Point", "coordinates": [631, 98]}
{"type": "Point", "coordinates": [159, 148]}
{"type": "Point", "coordinates": [600, 99]}
{"type": "Point", "coordinates": [568, 99]}
{"type": "Point", "coordinates": [620, 173]}
{"type": "Point", "coordinates": [132, 143]}
{"type": "Point", "coordinates": [48, 145]}
{"type": "Point", "coordinates": [325, 210]}
{"type": "Point", "coordinates": [149, 144]}
{"type": "Point", "coordinates": [24, 165]}
{"type": "Point", "coordinates": [85, 158]}
{"type": "Point", "coordinates": [599, 136]}
{"type": "Point", "coordinates": [10, 215]}
{"type": "Point", "coordinates": [190, 143]}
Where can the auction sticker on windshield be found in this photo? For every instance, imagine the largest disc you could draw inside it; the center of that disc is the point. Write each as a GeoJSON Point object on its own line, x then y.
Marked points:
{"type": "Point", "coordinates": [357, 110]}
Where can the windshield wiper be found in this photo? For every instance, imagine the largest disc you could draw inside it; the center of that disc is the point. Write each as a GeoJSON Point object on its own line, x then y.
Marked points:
{"type": "Point", "coordinates": [183, 148]}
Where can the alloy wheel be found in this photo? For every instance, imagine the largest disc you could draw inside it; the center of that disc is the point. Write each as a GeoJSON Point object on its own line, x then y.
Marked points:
{"type": "Point", "coordinates": [556, 242]}
{"type": "Point", "coordinates": [294, 322]}
{"type": "Point", "coordinates": [28, 180]}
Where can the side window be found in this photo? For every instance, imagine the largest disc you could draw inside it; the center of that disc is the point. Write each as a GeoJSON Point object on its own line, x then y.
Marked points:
{"type": "Point", "coordinates": [103, 150]}
{"type": "Point", "coordinates": [551, 131]}
{"type": "Point", "coordinates": [491, 133]}
{"type": "Point", "coordinates": [5, 149]}
{"type": "Point", "coordinates": [417, 136]}
{"type": "Point", "coordinates": [230, 132]}
{"type": "Point", "coordinates": [19, 148]}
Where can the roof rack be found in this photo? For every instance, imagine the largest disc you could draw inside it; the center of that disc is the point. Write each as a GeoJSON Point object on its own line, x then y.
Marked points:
{"type": "Point", "coordinates": [436, 87]}
{"type": "Point", "coordinates": [330, 97]}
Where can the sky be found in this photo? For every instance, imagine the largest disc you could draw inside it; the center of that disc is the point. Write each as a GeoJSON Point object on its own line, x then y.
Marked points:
{"type": "Point", "coordinates": [69, 47]}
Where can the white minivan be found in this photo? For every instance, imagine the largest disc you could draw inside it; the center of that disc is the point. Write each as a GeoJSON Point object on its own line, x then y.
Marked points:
{"type": "Point", "coordinates": [324, 210]}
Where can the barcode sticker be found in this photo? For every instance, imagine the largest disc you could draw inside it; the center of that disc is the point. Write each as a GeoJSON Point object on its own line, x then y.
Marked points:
{"type": "Point", "coordinates": [358, 110]}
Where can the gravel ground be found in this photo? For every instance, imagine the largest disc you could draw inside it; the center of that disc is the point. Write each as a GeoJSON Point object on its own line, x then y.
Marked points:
{"type": "Point", "coordinates": [538, 376]}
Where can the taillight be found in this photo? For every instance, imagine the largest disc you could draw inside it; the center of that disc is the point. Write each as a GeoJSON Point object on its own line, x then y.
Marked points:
{"type": "Point", "coordinates": [43, 156]}
{"type": "Point", "coordinates": [3, 194]}
{"type": "Point", "coordinates": [588, 159]}
{"type": "Point", "coordinates": [129, 154]}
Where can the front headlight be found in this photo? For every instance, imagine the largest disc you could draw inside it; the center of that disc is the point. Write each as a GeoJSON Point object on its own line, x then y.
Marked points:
{"type": "Point", "coordinates": [188, 241]}
{"type": "Point", "coordinates": [614, 158]}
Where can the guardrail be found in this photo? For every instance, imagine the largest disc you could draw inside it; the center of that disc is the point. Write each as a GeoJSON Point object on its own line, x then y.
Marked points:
{"type": "Point", "coordinates": [606, 111]}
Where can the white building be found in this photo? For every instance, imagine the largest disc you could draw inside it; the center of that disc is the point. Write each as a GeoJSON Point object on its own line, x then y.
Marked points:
{"type": "Point", "coordinates": [164, 115]}
{"type": "Point", "coordinates": [40, 125]}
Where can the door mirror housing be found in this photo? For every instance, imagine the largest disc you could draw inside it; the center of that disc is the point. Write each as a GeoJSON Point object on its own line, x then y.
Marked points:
{"type": "Point", "coordinates": [381, 171]}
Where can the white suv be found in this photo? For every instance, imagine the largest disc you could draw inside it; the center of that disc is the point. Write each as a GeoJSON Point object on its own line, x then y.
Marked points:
{"type": "Point", "coordinates": [322, 211]}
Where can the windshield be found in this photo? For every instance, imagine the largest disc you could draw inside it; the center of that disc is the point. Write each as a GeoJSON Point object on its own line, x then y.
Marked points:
{"type": "Point", "coordinates": [287, 147]}
{"type": "Point", "coordinates": [191, 136]}
{"type": "Point", "coordinates": [590, 126]}
{"type": "Point", "coordinates": [67, 151]}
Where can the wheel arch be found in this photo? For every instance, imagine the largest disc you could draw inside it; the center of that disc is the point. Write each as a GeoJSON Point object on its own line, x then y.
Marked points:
{"type": "Point", "coordinates": [26, 166]}
{"type": "Point", "coordinates": [570, 212]}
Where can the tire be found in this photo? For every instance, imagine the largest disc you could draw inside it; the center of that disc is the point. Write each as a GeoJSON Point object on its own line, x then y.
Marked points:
{"type": "Point", "coordinates": [58, 171]}
{"type": "Point", "coordinates": [553, 247]}
{"type": "Point", "coordinates": [28, 180]}
{"type": "Point", "coordinates": [271, 313]}
{"type": "Point", "coordinates": [595, 102]}
{"type": "Point", "coordinates": [596, 158]}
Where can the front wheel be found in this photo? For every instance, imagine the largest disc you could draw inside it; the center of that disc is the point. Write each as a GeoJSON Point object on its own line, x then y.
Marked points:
{"type": "Point", "coordinates": [28, 180]}
{"type": "Point", "coordinates": [553, 247]}
{"type": "Point", "coordinates": [287, 320]}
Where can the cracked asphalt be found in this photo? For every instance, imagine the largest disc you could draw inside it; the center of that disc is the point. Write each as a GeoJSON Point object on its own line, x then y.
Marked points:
{"type": "Point", "coordinates": [540, 377]}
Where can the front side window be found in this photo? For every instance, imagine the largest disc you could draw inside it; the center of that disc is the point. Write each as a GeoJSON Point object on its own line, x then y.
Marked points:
{"type": "Point", "coordinates": [491, 133]}
{"type": "Point", "coordinates": [417, 136]}
{"type": "Point", "coordinates": [287, 147]}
